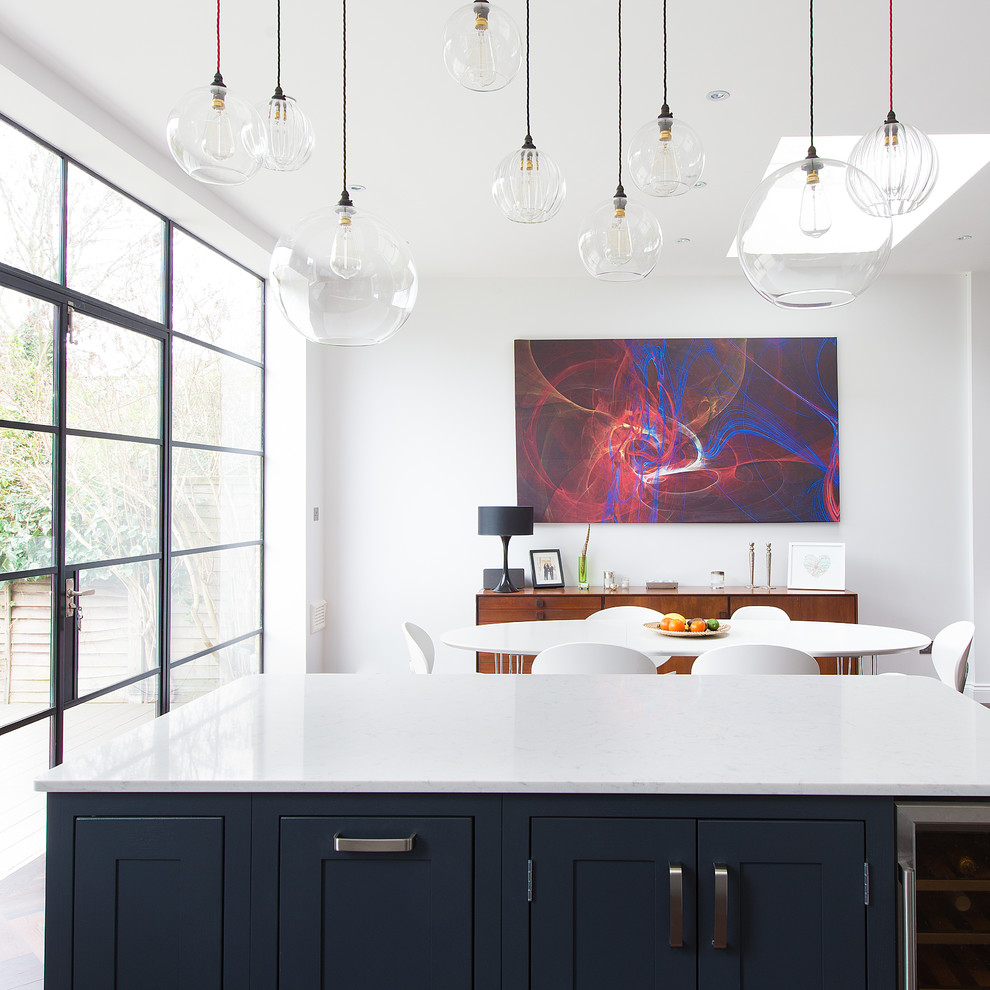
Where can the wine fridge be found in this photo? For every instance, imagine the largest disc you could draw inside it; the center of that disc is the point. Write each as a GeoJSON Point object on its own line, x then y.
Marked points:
{"type": "Point", "coordinates": [943, 854]}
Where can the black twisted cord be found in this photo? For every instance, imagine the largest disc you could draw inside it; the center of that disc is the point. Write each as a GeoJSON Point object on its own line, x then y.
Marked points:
{"type": "Point", "coordinates": [811, 73]}
{"type": "Point", "coordinates": [665, 52]}
{"type": "Point", "coordinates": [278, 44]}
{"type": "Point", "coordinates": [892, 57]}
{"type": "Point", "coordinates": [529, 136]}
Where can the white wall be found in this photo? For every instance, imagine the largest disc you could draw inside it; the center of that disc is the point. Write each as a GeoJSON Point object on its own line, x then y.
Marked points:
{"type": "Point", "coordinates": [420, 431]}
{"type": "Point", "coordinates": [980, 365]}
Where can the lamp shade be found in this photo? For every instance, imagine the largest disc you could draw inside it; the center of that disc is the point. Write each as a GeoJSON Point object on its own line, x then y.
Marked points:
{"type": "Point", "coordinates": [289, 138]}
{"type": "Point", "coordinates": [666, 157]}
{"type": "Point", "coordinates": [805, 243]}
{"type": "Point", "coordinates": [347, 284]}
{"type": "Point", "coordinates": [527, 186]}
{"type": "Point", "coordinates": [215, 136]}
{"type": "Point", "coordinates": [900, 161]}
{"type": "Point", "coordinates": [505, 520]}
{"type": "Point", "coordinates": [482, 48]}
{"type": "Point", "coordinates": [621, 241]}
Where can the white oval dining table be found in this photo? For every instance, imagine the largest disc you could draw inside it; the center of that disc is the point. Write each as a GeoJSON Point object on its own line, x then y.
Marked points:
{"type": "Point", "coordinates": [511, 641]}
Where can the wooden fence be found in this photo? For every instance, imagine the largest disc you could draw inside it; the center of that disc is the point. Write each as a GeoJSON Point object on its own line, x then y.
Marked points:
{"type": "Point", "coordinates": [111, 646]}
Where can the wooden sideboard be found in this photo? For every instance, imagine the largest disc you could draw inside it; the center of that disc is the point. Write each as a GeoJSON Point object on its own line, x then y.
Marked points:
{"type": "Point", "coordinates": [572, 603]}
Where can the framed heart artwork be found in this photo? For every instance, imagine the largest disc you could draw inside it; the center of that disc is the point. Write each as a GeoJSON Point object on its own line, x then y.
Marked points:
{"type": "Point", "coordinates": [821, 566]}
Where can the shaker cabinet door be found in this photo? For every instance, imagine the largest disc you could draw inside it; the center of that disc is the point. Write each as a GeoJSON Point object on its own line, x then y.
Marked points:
{"type": "Point", "coordinates": [781, 905]}
{"type": "Point", "coordinates": [149, 904]}
{"type": "Point", "coordinates": [609, 898]}
{"type": "Point", "coordinates": [371, 914]}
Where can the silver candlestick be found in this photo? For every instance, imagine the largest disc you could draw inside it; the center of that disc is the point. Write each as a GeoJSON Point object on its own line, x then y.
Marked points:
{"type": "Point", "coordinates": [769, 555]}
{"type": "Point", "coordinates": [752, 566]}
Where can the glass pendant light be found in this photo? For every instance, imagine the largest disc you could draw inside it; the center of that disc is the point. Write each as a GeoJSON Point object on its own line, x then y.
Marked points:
{"type": "Point", "coordinates": [620, 241]}
{"type": "Point", "coordinates": [900, 159]}
{"type": "Point", "coordinates": [665, 156]}
{"type": "Point", "coordinates": [481, 47]}
{"type": "Point", "coordinates": [342, 276]}
{"type": "Point", "coordinates": [215, 136]}
{"type": "Point", "coordinates": [527, 185]}
{"type": "Point", "coordinates": [289, 135]}
{"type": "Point", "coordinates": [803, 241]}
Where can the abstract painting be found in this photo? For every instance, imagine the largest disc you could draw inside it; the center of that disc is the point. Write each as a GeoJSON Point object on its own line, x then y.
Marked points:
{"type": "Point", "coordinates": [678, 430]}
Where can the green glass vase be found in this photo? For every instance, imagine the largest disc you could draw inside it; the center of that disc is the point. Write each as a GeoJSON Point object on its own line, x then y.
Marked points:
{"type": "Point", "coordinates": [583, 572]}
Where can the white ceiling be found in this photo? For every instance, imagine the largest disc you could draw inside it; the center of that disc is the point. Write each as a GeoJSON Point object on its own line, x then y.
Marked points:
{"type": "Point", "coordinates": [425, 148]}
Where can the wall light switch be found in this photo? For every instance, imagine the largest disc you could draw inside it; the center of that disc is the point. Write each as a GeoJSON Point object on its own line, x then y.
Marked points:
{"type": "Point", "coordinates": [317, 617]}
{"type": "Point", "coordinates": [316, 513]}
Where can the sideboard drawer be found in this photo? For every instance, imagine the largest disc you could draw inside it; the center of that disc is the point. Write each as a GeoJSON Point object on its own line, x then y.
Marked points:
{"type": "Point", "coordinates": [690, 606]}
{"type": "Point", "coordinates": [529, 608]}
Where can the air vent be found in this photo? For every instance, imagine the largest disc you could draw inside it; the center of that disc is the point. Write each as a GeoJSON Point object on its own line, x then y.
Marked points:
{"type": "Point", "coordinates": [317, 616]}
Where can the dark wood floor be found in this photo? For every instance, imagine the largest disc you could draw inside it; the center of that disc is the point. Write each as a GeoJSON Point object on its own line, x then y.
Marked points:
{"type": "Point", "coordinates": [22, 927]}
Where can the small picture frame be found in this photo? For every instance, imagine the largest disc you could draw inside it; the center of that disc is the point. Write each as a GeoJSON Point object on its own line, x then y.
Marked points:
{"type": "Point", "coordinates": [548, 572]}
{"type": "Point", "coordinates": [816, 566]}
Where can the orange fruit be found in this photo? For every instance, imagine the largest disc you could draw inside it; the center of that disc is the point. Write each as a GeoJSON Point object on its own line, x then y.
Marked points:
{"type": "Point", "coordinates": [665, 623]}
{"type": "Point", "coordinates": [677, 624]}
{"type": "Point", "coordinates": [698, 625]}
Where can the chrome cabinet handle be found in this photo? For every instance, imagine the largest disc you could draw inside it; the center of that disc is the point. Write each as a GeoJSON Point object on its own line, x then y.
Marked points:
{"type": "Point", "coordinates": [342, 844]}
{"type": "Point", "coordinates": [909, 892]}
{"type": "Point", "coordinates": [676, 905]}
{"type": "Point", "coordinates": [720, 937]}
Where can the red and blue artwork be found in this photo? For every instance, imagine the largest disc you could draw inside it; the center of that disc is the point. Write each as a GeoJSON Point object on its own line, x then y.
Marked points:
{"type": "Point", "coordinates": [678, 430]}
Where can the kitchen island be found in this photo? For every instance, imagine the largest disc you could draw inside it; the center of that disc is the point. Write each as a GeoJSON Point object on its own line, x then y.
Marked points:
{"type": "Point", "coordinates": [454, 832]}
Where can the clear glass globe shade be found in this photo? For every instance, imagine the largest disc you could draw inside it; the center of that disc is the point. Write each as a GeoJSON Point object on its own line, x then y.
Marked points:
{"type": "Point", "coordinates": [482, 48]}
{"type": "Point", "coordinates": [348, 284]}
{"type": "Point", "coordinates": [527, 186]}
{"type": "Point", "coordinates": [666, 157]}
{"type": "Point", "coordinates": [809, 245]}
{"type": "Point", "coordinates": [289, 138]}
{"type": "Point", "coordinates": [215, 136]}
{"type": "Point", "coordinates": [618, 248]}
{"type": "Point", "coordinates": [901, 161]}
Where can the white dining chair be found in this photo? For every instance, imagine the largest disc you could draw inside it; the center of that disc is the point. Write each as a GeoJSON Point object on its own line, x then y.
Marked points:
{"type": "Point", "coordinates": [421, 649]}
{"type": "Point", "coordinates": [592, 658]}
{"type": "Point", "coordinates": [950, 653]}
{"type": "Point", "coordinates": [770, 612]}
{"type": "Point", "coordinates": [754, 658]}
{"type": "Point", "coordinates": [638, 613]}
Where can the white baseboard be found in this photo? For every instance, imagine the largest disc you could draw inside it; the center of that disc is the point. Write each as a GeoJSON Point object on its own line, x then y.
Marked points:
{"type": "Point", "coordinates": [979, 692]}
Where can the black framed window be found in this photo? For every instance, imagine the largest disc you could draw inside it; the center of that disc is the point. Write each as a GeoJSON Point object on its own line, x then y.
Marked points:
{"type": "Point", "coordinates": [131, 465]}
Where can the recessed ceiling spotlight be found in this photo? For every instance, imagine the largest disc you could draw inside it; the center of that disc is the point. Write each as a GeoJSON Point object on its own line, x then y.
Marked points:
{"type": "Point", "coordinates": [356, 187]}
{"type": "Point", "coordinates": [683, 240]}
{"type": "Point", "coordinates": [964, 237]}
{"type": "Point", "coordinates": [700, 185]}
{"type": "Point", "coordinates": [717, 95]}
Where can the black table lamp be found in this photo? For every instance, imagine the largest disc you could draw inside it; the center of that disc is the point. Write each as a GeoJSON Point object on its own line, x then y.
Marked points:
{"type": "Point", "coordinates": [505, 521]}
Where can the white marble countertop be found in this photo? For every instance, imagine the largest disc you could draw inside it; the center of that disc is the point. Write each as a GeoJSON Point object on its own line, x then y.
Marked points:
{"type": "Point", "coordinates": [908, 736]}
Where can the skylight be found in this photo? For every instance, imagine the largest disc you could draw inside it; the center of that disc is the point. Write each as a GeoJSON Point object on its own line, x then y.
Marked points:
{"type": "Point", "coordinates": [960, 157]}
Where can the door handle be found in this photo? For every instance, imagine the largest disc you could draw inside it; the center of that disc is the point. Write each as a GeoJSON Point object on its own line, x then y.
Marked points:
{"type": "Point", "coordinates": [71, 595]}
{"type": "Point", "coordinates": [676, 905]}
{"type": "Point", "coordinates": [720, 936]}
{"type": "Point", "coordinates": [909, 919]}
{"type": "Point", "coordinates": [342, 844]}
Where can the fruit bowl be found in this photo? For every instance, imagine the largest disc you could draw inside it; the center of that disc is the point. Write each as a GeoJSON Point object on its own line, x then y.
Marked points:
{"type": "Point", "coordinates": [721, 631]}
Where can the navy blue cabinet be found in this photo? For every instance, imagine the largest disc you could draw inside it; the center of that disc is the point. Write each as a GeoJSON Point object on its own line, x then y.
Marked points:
{"type": "Point", "coordinates": [376, 903]}
{"type": "Point", "coordinates": [782, 904]}
{"type": "Point", "coordinates": [147, 893]}
{"type": "Point", "coordinates": [469, 892]}
{"type": "Point", "coordinates": [613, 903]}
{"type": "Point", "coordinates": [631, 891]}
